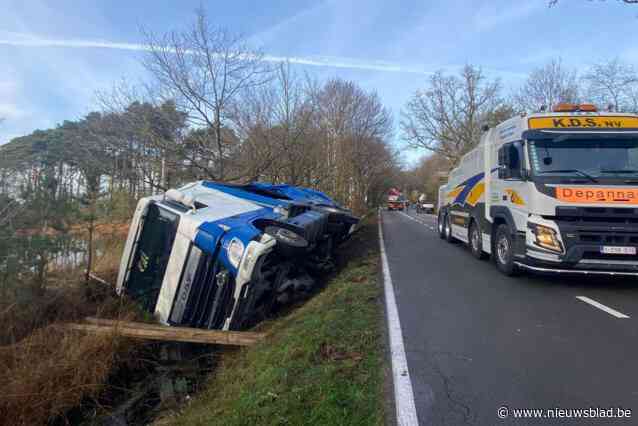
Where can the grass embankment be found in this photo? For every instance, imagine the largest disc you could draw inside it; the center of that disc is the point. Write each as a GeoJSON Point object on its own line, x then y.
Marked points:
{"type": "Point", "coordinates": [322, 364]}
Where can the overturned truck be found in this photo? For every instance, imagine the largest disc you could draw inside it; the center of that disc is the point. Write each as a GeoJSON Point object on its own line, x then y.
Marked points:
{"type": "Point", "coordinates": [221, 256]}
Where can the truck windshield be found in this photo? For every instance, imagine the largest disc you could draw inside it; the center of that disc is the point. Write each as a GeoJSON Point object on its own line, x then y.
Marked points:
{"type": "Point", "coordinates": [151, 255]}
{"type": "Point", "coordinates": [590, 158]}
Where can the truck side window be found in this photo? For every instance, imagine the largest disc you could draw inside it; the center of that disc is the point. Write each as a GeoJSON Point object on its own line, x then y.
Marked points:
{"type": "Point", "coordinates": [510, 160]}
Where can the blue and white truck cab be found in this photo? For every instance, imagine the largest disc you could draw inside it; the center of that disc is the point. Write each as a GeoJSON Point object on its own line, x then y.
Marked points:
{"type": "Point", "coordinates": [221, 256]}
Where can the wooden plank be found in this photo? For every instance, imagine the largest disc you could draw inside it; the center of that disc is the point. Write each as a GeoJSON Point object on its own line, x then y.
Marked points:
{"type": "Point", "coordinates": [100, 280]}
{"type": "Point", "coordinates": [166, 333]}
{"type": "Point", "coordinates": [155, 326]}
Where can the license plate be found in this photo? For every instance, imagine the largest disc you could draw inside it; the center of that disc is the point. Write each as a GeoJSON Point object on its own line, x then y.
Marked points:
{"type": "Point", "coordinates": [617, 250]}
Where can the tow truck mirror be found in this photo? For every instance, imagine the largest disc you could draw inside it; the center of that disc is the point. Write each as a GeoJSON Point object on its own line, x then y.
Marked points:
{"type": "Point", "coordinates": [502, 172]}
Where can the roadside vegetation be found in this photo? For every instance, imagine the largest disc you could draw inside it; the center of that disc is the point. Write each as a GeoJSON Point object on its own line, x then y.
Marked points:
{"type": "Point", "coordinates": [322, 363]}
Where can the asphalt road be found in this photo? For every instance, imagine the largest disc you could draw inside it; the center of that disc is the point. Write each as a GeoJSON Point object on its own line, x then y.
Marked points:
{"type": "Point", "coordinates": [476, 340]}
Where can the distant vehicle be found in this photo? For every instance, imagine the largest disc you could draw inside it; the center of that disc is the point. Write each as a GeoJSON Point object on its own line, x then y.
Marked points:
{"type": "Point", "coordinates": [396, 200]}
{"type": "Point", "coordinates": [423, 206]}
{"type": "Point", "coordinates": [550, 192]}
{"type": "Point", "coordinates": [219, 256]}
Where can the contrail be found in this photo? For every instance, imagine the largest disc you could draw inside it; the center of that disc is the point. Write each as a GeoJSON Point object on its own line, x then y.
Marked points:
{"type": "Point", "coordinates": [318, 61]}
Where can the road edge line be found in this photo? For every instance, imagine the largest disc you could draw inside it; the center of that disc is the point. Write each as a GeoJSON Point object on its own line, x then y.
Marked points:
{"type": "Point", "coordinates": [403, 392]}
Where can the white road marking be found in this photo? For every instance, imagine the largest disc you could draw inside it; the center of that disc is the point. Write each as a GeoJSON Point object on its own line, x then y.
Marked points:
{"type": "Point", "coordinates": [602, 307]}
{"type": "Point", "coordinates": [403, 393]}
{"type": "Point", "coordinates": [430, 227]}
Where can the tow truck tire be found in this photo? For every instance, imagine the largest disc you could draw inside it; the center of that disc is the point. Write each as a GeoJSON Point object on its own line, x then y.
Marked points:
{"type": "Point", "coordinates": [504, 251]}
{"type": "Point", "coordinates": [440, 224]}
{"type": "Point", "coordinates": [476, 241]}
{"type": "Point", "coordinates": [448, 230]}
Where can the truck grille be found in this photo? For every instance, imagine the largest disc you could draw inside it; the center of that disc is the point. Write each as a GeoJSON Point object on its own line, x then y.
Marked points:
{"type": "Point", "coordinates": [608, 237]}
{"type": "Point", "coordinates": [602, 215]}
{"type": "Point", "coordinates": [207, 299]}
{"type": "Point", "coordinates": [598, 226]}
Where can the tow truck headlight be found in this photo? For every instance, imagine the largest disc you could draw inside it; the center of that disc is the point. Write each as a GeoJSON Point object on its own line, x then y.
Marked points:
{"type": "Point", "coordinates": [546, 237]}
{"type": "Point", "coordinates": [235, 251]}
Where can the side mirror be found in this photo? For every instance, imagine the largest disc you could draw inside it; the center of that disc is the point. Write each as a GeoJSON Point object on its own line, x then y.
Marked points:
{"type": "Point", "coordinates": [502, 172]}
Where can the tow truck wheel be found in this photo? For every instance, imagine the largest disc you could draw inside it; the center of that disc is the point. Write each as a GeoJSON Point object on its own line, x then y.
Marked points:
{"type": "Point", "coordinates": [440, 222]}
{"type": "Point", "coordinates": [504, 251]}
{"type": "Point", "coordinates": [448, 229]}
{"type": "Point", "coordinates": [476, 241]}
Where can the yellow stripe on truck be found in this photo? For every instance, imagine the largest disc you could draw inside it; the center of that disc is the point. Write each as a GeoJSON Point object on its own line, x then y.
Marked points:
{"type": "Point", "coordinates": [456, 191]}
{"type": "Point", "coordinates": [476, 193]}
{"type": "Point", "coordinates": [586, 122]}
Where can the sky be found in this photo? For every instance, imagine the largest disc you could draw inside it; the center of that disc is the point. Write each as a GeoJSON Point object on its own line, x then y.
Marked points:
{"type": "Point", "coordinates": [54, 56]}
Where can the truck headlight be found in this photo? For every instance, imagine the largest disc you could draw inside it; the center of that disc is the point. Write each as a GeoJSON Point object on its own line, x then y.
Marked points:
{"type": "Point", "coordinates": [546, 237]}
{"type": "Point", "coordinates": [235, 251]}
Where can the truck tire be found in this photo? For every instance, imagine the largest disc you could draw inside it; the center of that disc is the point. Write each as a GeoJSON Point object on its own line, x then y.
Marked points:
{"type": "Point", "coordinates": [440, 224]}
{"type": "Point", "coordinates": [448, 230]}
{"type": "Point", "coordinates": [475, 238]}
{"type": "Point", "coordinates": [504, 250]}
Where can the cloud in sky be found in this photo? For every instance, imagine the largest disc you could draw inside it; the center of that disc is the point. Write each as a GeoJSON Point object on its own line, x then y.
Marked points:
{"type": "Point", "coordinates": [21, 40]}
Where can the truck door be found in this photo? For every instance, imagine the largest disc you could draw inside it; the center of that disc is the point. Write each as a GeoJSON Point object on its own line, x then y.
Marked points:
{"type": "Point", "coordinates": [511, 186]}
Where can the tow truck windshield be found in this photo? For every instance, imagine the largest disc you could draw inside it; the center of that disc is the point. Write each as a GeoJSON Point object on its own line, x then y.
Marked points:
{"type": "Point", "coordinates": [151, 256]}
{"type": "Point", "coordinates": [589, 158]}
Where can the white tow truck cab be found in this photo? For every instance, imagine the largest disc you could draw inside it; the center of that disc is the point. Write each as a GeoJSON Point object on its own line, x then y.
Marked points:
{"type": "Point", "coordinates": [549, 192]}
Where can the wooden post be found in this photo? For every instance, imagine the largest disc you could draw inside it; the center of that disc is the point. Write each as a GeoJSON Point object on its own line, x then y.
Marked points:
{"type": "Point", "coordinates": [166, 333]}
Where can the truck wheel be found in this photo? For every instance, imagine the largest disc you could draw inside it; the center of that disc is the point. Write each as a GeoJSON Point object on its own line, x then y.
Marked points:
{"type": "Point", "coordinates": [448, 230]}
{"type": "Point", "coordinates": [476, 241]}
{"type": "Point", "coordinates": [440, 223]}
{"type": "Point", "coordinates": [504, 251]}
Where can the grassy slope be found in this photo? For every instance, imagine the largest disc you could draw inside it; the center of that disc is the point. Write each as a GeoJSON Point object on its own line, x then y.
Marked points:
{"type": "Point", "coordinates": [323, 363]}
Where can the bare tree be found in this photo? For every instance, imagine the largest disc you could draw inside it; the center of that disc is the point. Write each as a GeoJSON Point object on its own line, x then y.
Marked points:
{"type": "Point", "coordinates": [612, 83]}
{"type": "Point", "coordinates": [206, 70]}
{"type": "Point", "coordinates": [426, 176]}
{"type": "Point", "coordinates": [355, 127]}
{"type": "Point", "coordinates": [276, 125]}
{"type": "Point", "coordinates": [447, 116]}
{"type": "Point", "coordinates": [548, 85]}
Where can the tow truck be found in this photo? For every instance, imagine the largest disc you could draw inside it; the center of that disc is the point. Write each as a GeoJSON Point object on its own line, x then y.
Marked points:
{"type": "Point", "coordinates": [551, 192]}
